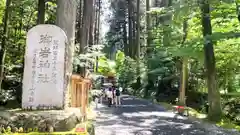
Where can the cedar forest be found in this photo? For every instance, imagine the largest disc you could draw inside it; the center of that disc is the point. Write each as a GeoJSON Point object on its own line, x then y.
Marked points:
{"type": "Point", "coordinates": [162, 50]}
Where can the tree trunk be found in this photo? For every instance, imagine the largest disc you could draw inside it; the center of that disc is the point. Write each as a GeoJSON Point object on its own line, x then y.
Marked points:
{"type": "Point", "coordinates": [66, 18]}
{"type": "Point", "coordinates": [134, 48]}
{"type": "Point", "coordinates": [184, 78]}
{"type": "Point", "coordinates": [87, 13]}
{"type": "Point", "coordinates": [138, 49]}
{"type": "Point", "coordinates": [4, 40]}
{"type": "Point", "coordinates": [41, 12]}
{"type": "Point", "coordinates": [21, 24]}
{"type": "Point", "coordinates": [91, 27]}
{"type": "Point", "coordinates": [125, 40]}
{"type": "Point", "coordinates": [184, 73]}
{"type": "Point", "coordinates": [79, 25]}
{"type": "Point", "coordinates": [148, 44]}
{"type": "Point", "coordinates": [84, 32]}
{"type": "Point", "coordinates": [138, 84]}
{"type": "Point", "coordinates": [148, 29]}
{"type": "Point", "coordinates": [130, 28]}
{"type": "Point", "coordinates": [99, 19]}
{"type": "Point", "coordinates": [215, 111]}
{"type": "Point", "coordinates": [98, 30]}
{"type": "Point", "coordinates": [96, 21]}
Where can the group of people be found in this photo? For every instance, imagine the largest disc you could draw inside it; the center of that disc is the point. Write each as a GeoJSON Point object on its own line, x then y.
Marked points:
{"type": "Point", "coordinates": [113, 95]}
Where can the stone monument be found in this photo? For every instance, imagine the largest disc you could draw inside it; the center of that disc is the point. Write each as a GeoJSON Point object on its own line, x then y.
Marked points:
{"type": "Point", "coordinates": [44, 87]}
{"type": "Point", "coordinates": [43, 80]}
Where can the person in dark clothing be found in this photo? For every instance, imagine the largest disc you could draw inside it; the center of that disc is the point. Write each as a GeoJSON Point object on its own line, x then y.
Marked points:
{"type": "Point", "coordinates": [118, 93]}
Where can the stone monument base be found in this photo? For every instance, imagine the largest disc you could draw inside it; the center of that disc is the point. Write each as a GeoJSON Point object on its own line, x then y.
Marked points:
{"type": "Point", "coordinates": [41, 121]}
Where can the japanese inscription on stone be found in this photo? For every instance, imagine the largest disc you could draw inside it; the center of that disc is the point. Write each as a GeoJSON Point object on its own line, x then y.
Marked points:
{"type": "Point", "coordinates": [43, 81]}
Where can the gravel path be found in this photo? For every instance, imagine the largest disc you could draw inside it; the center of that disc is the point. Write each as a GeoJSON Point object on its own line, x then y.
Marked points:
{"type": "Point", "coordinates": [140, 117]}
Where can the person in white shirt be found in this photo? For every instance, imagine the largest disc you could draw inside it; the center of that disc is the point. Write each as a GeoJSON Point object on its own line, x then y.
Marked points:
{"type": "Point", "coordinates": [96, 101]}
{"type": "Point", "coordinates": [121, 89]}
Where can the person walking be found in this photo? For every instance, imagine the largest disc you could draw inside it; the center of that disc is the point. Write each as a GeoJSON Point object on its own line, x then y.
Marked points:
{"type": "Point", "coordinates": [118, 99]}
{"type": "Point", "coordinates": [96, 99]}
{"type": "Point", "coordinates": [113, 94]}
{"type": "Point", "coordinates": [102, 95]}
{"type": "Point", "coordinates": [109, 97]}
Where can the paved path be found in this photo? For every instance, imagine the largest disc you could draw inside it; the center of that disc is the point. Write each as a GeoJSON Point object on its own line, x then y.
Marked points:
{"type": "Point", "coordinates": [140, 117]}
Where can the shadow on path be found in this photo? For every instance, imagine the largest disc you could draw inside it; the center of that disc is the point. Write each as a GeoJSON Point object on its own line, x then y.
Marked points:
{"type": "Point", "coordinates": [140, 117]}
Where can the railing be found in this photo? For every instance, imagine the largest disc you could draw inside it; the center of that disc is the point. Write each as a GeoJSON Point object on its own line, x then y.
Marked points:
{"type": "Point", "coordinates": [79, 93]}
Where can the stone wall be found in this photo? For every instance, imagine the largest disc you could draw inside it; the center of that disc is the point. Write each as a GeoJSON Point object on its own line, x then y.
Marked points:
{"type": "Point", "coordinates": [43, 121]}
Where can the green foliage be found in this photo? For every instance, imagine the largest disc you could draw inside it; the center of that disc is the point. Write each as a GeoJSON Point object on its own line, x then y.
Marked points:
{"type": "Point", "coordinates": [231, 109]}
{"type": "Point", "coordinates": [127, 73]}
{"type": "Point", "coordinates": [22, 17]}
{"type": "Point", "coordinates": [115, 35]}
{"type": "Point", "coordinates": [120, 57]}
{"type": "Point", "coordinates": [168, 47]}
{"type": "Point", "coordinates": [106, 66]}
{"type": "Point", "coordinates": [88, 59]}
